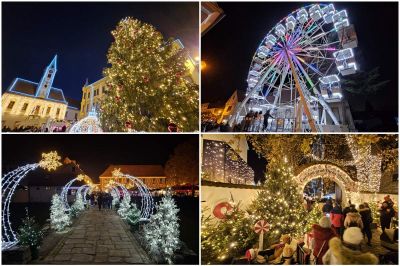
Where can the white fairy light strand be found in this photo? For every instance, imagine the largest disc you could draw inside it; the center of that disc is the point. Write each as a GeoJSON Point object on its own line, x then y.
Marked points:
{"type": "Point", "coordinates": [10, 181]}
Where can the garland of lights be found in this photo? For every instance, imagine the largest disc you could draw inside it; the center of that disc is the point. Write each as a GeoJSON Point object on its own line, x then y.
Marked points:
{"type": "Point", "coordinates": [147, 200]}
{"type": "Point", "coordinates": [219, 166]}
{"type": "Point", "coordinates": [50, 161]}
{"type": "Point", "coordinates": [368, 166]}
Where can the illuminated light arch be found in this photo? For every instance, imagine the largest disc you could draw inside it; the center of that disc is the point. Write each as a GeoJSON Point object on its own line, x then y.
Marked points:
{"type": "Point", "coordinates": [147, 200]}
{"type": "Point", "coordinates": [64, 192]}
{"type": "Point", "coordinates": [50, 161]}
{"type": "Point", "coordinates": [83, 190]}
{"type": "Point", "coordinates": [325, 170]}
{"type": "Point", "coordinates": [89, 124]}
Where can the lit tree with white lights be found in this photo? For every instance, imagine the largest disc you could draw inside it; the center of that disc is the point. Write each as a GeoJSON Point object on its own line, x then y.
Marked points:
{"type": "Point", "coordinates": [59, 219]}
{"type": "Point", "coordinates": [147, 87]}
{"type": "Point", "coordinates": [124, 207]}
{"type": "Point", "coordinates": [78, 205]}
{"type": "Point", "coordinates": [133, 215]}
{"type": "Point", "coordinates": [162, 232]}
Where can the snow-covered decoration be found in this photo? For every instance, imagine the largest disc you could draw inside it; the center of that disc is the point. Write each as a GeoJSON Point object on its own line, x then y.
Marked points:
{"type": "Point", "coordinates": [59, 219]}
{"type": "Point", "coordinates": [89, 124]}
{"type": "Point", "coordinates": [10, 181]}
{"type": "Point", "coordinates": [161, 234]}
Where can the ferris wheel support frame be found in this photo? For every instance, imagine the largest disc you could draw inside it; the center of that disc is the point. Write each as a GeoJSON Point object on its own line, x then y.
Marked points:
{"type": "Point", "coordinates": [310, 119]}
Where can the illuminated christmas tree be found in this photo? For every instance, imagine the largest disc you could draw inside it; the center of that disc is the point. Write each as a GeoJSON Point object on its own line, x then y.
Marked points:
{"type": "Point", "coordinates": [147, 83]}
{"type": "Point", "coordinates": [162, 232]}
{"type": "Point", "coordinates": [59, 219]}
{"type": "Point", "coordinates": [313, 216]}
{"type": "Point", "coordinates": [124, 207]}
{"type": "Point", "coordinates": [78, 205]}
{"type": "Point", "coordinates": [133, 215]}
{"type": "Point", "coordinates": [221, 240]}
{"type": "Point", "coordinates": [280, 204]}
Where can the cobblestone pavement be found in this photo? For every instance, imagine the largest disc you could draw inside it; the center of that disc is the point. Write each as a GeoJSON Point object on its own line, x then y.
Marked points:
{"type": "Point", "coordinates": [98, 237]}
{"type": "Point", "coordinates": [376, 247]}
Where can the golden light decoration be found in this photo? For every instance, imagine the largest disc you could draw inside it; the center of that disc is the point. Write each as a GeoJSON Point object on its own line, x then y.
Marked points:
{"type": "Point", "coordinates": [116, 172]}
{"type": "Point", "coordinates": [50, 161]}
{"type": "Point", "coordinates": [81, 177]}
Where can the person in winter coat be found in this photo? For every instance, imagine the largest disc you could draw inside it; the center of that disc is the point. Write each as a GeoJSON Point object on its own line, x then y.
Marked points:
{"type": "Point", "coordinates": [387, 213]}
{"type": "Point", "coordinates": [322, 233]}
{"type": "Point", "coordinates": [353, 219]}
{"type": "Point", "coordinates": [327, 207]}
{"type": "Point", "coordinates": [337, 218]}
{"type": "Point", "coordinates": [348, 251]}
{"type": "Point", "coordinates": [366, 218]}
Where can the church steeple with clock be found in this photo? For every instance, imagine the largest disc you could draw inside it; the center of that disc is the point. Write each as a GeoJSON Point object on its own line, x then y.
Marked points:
{"type": "Point", "coordinates": [46, 82]}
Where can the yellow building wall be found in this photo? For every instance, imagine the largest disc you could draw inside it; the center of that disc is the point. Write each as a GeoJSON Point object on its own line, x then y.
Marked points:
{"type": "Point", "coordinates": [98, 90]}
{"type": "Point", "coordinates": [17, 114]}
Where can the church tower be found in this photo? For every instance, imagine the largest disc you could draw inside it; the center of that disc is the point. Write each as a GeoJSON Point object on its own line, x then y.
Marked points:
{"type": "Point", "coordinates": [46, 82]}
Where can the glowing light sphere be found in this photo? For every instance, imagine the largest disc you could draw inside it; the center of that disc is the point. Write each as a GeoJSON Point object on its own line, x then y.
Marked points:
{"type": "Point", "coordinates": [89, 124]}
{"type": "Point", "coordinates": [312, 44]}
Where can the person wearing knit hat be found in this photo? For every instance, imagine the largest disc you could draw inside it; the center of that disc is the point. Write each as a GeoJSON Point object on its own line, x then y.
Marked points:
{"type": "Point", "coordinates": [322, 233]}
{"type": "Point", "coordinates": [348, 251]}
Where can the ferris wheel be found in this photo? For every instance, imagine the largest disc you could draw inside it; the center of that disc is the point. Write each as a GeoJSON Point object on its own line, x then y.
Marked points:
{"type": "Point", "coordinates": [295, 72]}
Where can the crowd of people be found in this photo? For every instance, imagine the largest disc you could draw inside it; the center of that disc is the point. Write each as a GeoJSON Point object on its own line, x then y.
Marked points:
{"type": "Point", "coordinates": [22, 129]}
{"type": "Point", "coordinates": [101, 199]}
{"type": "Point", "coordinates": [337, 239]}
{"type": "Point", "coordinates": [252, 122]}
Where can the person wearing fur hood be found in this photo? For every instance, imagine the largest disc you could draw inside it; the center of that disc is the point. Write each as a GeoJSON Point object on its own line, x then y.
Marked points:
{"type": "Point", "coordinates": [353, 219]}
{"type": "Point", "coordinates": [348, 251]}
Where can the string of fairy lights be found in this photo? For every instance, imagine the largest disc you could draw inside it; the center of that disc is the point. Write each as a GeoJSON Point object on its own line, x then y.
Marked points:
{"type": "Point", "coordinates": [368, 166]}
{"type": "Point", "coordinates": [222, 164]}
{"type": "Point", "coordinates": [50, 161]}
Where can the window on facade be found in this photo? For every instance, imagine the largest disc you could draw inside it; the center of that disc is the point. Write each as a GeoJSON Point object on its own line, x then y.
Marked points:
{"type": "Point", "coordinates": [48, 110]}
{"type": "Point", "coordinates": [37, 109]}
{"type": "Point", "coordinates": [11, 105]}
{"type": "Point", "coordinates": [76, 116]}
{"type": "Point", "coordinates": [395, 177]}
{"type": "Point", "coordinates": [49, 75]}
{"type": "Point", "coordinates": [58, 111]}
{"type": "Point", "coordinates": [24, 107]}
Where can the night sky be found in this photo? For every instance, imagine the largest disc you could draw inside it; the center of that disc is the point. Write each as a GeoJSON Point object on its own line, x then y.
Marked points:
{"type": "Point", "coordinates": [92, 152]}
{"type": "Point", "coordinates": [230, 45]}
{"type": "Point", "coordinates": [80, 33]}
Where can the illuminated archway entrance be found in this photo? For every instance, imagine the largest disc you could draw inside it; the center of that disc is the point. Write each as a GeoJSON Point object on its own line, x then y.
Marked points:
{"type": "Point", "coordinates": [332, 172]}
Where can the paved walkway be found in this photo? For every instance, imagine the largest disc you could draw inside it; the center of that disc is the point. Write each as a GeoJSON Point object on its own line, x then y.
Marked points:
{"type": "Point", "coordinates": [98, 237]}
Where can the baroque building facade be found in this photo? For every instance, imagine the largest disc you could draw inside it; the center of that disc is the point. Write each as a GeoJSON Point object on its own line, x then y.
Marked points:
{"type": "Point", "coordinates": [27, 103]}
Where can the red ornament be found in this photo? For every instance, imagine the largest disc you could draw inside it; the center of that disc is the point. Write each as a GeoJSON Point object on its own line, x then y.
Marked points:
{"type": "Point", "coordinates": [128, 124]}
{"type": "Point", "coordinates": [221, 209]}
{"type": "Point", "coordinates": [261, 227]}
{"type": "Point", "coordinates": [172, 127]}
